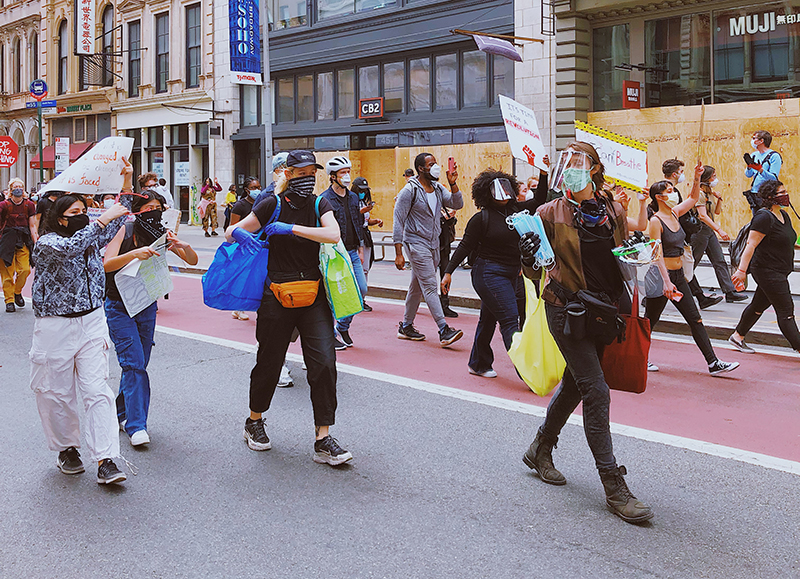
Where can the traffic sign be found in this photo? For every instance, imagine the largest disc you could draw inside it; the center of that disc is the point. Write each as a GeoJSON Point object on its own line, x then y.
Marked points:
{"type": "Point", "coordinates": [43, 104]}
{"type": "Point", "coordinates": [38, 89]}
{"type": "Point", "coordinates": [9, 151]}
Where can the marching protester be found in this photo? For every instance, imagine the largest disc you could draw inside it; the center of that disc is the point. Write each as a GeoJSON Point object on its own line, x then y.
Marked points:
{"type": "Point", "coordinates": [70, 336]}
{"type": "Point", "coordinates": [665, 226]}
{"type": "Point", "coordinates": [448, 221]}
{"type": "Point", "coordinates": [147, 181]}
{"type": "Point", "coordinates": [238, 211]}
{"type": "Point", "coordinates": [208, 193]}
{"type": "Point", "coordinates": [230, 201]}
{"type": "Point", "coordinates": [583, 227]}
{"type": "Point", "coordinates": [163, 190]}
{"type": "Point", "coordinates": [417, 227]}
{"type": "Point", "coordinates": [346, 209]}
{"type": "Point", "coordinates": [361, 188]}
{"type": "Point", "coordinates": [43, 207]}
{"type": "Point", "coordinates": [763, 165]}
{"type": "Point", "coordinates": [294, 268]}
{"type": "Point", "coordinates": [17, 235]}
{"type": "Point", "coordinates": [133, 335]}
{"type": "Point", "coordinates": [769, 258]}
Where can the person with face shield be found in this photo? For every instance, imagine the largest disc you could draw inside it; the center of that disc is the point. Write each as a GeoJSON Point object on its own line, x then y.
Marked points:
{"type": "Point", "coordinates": [361, 188]}
{"type": "Point", "coordinates": [351, 222]}
{"type": "Point", "coordinates": [583, 226]}
{"type": "Point", "coordinates": [133, 335]}
{"type": "Point", "coordinates": [69, 353]}
{"type": "Point", "coordinates": [665, 226]}
{"type": "Point", "coordinates": [294, 239]}
{"type": "Point", "coordinates": [769, 258]}
{"type": "Point", "coordinates": [17, 235]}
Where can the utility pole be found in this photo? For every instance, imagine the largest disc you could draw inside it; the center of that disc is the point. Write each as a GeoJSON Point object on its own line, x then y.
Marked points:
{"type": "Point", "coordinates": [266, 95]}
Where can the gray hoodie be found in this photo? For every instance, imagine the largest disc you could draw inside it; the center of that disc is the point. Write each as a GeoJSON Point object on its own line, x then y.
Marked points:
{"type": "Point", "coordinates": [414, 221]}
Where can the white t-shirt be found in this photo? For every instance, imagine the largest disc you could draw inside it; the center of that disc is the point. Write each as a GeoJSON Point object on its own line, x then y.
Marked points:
{"type": "Point", "coordinates": [167, 195]}
{"type": "Point", "coordinates": [432, 200]}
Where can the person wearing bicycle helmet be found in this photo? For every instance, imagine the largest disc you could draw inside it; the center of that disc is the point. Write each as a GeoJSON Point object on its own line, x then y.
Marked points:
{"type": "Point", "coordinates": [351, 222]}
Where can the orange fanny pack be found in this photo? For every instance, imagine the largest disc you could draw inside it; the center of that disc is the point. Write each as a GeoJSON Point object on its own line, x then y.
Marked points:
{"type": "Point", "coordinates": [296, 294]}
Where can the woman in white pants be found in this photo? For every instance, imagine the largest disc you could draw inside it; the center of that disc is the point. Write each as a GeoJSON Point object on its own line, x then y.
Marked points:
{"type": "Point", "coordinates": [69, 354]}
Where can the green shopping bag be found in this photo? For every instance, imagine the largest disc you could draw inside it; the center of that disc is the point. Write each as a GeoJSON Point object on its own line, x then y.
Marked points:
{"type": "Point", "coordinates": [339, 278]}
{"type": "Point", "coordinates": [533, 350]}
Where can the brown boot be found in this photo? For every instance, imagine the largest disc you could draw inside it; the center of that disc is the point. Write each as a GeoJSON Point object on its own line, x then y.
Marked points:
{"type": "Point", "coordinates": [539, 457]}
{"type": "Point", "coordinates": [620, 499]}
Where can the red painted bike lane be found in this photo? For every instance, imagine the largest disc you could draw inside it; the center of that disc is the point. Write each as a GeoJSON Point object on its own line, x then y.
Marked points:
{"type": "Point", "coordinates": [753, 408]}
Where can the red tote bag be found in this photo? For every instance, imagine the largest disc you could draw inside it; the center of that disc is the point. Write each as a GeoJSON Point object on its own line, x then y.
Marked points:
{"type": "Point", "coordinates": [625, 363]}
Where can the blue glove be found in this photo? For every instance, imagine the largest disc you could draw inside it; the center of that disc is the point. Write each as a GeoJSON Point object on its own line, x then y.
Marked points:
{"type": "Point", "coordinates": [278, 228]}
{"type": "Point", "coordinates": [246, 239]}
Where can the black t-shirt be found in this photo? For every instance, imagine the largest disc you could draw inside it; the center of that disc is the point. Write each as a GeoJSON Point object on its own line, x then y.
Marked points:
{"type": "Point", "coordinates": [43, 207]}
{"type": "Point", "coordinates": [600, 268]}
{"type": "Point", "coordinates": [292, 258]}
{"type": "Point", "coordinates": [243, 207]}
{"type": "Point", "coordinates": [776, 250]}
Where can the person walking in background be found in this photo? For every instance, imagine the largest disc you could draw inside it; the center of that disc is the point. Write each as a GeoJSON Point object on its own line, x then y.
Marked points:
{"type": "Point", "coordinates": [43, 207]}
{"type": "Point", "coordinates": [230, 201]}
{"type": "Point", "coordinates": [147, 181]}
{"type": "Point", "coordinates": [769, 258]}
{"type": "Point", "coordinates": [763, 165]}
{"type": "Point", "coordinates": [17, 235]}
{"type": "Point", "coordinates": [163, 190]}
{"type": "Point", "coordinates": [408, 174]}
{"type": "Point", "coordinates": [278, 168]}
{"type": "Point", "coordinates": [417, 227]}
{"type": "Point", "coordinates": [448, 221]}
{"type": "Point", "coordinates": [238, 211]}
{"type": "Point", "coordinates": [361, 188]}
{"type": "Point", "coordinates": [208, 196]}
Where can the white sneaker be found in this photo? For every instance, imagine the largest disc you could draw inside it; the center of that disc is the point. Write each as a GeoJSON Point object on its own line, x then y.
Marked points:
{"type": "Point", "coordinates": [285, 381]}
{"type": "Point", "coordinates": [651, 367]}
{"type": "Point", "coordinates": [139, 438]}
{"type": "Point", "coordinates": [487, 374]}
{"type": "Point", "coordinates": [122, 426]}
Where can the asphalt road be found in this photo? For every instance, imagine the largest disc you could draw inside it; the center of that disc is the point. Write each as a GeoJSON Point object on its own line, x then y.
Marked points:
{"type": "Point", "coordinates": [436, 489]}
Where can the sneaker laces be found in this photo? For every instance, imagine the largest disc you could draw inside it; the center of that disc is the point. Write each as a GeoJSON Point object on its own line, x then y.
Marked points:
{"type": "Point", "coordinates": [332, 446]}
{"type": "Point", "coordinates": [71, 453]}
{"type": "Point", "coordinates": [258, 427]}
{"type": "Point", "coordinates": [130, 465]}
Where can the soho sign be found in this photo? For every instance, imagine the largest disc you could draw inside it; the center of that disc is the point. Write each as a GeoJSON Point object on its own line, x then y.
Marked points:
{"type": "Point", "coordinates": [752, 24]}
{"type": "Point", "coordinates": [245, 39]}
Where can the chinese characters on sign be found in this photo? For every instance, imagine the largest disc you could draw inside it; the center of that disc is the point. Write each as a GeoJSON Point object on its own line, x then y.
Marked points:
{"type": "Point", "coordinates": [630, 94]}
{"type": "Point", "coordinates": [84, 26]}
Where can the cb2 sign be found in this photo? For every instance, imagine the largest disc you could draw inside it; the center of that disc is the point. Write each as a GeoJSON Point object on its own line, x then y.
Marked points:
{"type": "Point", "coordinates": [9, 152]}
{"type": "Point", "coordinates": [371, 108]}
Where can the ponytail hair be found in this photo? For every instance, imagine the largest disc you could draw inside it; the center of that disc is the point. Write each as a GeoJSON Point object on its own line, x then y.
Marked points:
{"type": "Point", "coordinates": [281, 184]}
{"type": "Point", "coordinates": [657, 188]}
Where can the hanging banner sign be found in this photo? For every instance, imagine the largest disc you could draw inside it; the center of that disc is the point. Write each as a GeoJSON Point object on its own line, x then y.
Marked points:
{"type": "Point", "coordinates": [245, 42]}
{"type": "Point", "coordinates": [98, 171]}
{"type": "Point", "coordinates": [62, 154]}
{"type": "Point", "coordinates": [624, 159]}
{"type": "Point", "coordinates": [84, 26]}
{"type": "Point", "coordinates": [9, 151]}
{"type": "Point", "coordinates": [523, 132]}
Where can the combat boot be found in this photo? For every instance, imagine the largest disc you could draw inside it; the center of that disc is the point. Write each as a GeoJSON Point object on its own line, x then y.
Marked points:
{"type": "Point", "coordinates": [539, 457]}
{"type": "Point", "coordinates": [620, 499]}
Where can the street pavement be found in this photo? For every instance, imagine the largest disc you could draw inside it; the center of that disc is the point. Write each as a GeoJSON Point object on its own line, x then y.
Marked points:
{"type": "Point", "coordinates": [437, 487]}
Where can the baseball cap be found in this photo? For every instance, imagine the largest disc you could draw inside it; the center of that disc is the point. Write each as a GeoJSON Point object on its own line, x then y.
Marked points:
{"type": "Point", "coordinates": [301, 158]}
{"type": "Point", "coordinates": [360, 183]}
{"type": "Point", "coordinates": [278, 161]}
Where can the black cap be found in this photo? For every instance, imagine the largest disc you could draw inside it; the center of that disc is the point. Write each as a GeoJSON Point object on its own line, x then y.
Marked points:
{"type": "Point", "coordinates": [301, 158]}
{"type": "Point", "coordinates": [408, 173]}
{"type": "Point", "coordinates": [360, 183]}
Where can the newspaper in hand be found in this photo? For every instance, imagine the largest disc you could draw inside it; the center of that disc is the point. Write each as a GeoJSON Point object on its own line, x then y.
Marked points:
{"type": "Point", "coordinates": [140, 283]}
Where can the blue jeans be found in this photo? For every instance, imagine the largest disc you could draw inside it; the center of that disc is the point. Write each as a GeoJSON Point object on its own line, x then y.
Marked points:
{"type": "Point", "coordinates": [496, 285]}
{"type": "Point", "coordinates": [343, 325]}
{"type": "Point", "coordinates": [133, 341]}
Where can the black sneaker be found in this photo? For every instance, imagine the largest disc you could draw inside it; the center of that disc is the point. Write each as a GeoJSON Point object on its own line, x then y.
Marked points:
{"type": "Point", "coordinates": [732, 297]}
{"type": "Point", "coordinates": [69, 461]}
{"type": "Point", "coordinates": [741, 346]}
{"type": "Point", "coordinates": [208, 234]}
{"type": "Point", "coordinates": [328, 451]}
{"type": "Point", "coordinates": [19, 300]}
{"type": "Point", "coordinates": [338, 345]}
{"type": "Point", "coordinates": [708, 301]}
{"type": "Point", "coordinates": [255, 435]}
{"type": "Point", "coordinates": [108, 473]}
{"type": "Point", "coordinates": [720, 367]}
{"type": "Point", "coordinates": [214, 233]}
{"type": "Point", "coordinates": [367, 307]}
{"type": "Point", "coordinates": [346, 339]}
{"type": "Point", "coordinates": [10, 308]}
{"type": "Point", "coordinates": [448, 335]}
{"type": "Point", "coordinates": [409, 332]}
{"type": "Point", "coordinates": [448, 313]}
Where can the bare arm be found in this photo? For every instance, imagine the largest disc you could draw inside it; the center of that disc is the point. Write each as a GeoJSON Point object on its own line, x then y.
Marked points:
{"type": "Point", "coordinates": [33, 226]}
{"type": "Point", "coordinates": [694, 196]}
{"type": "Point", "coordinates": [640, 222]}
{"type": "Point", "coordinates": [753, 239]}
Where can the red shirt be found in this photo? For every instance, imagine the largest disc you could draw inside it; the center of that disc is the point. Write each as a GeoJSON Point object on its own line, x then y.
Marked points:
{"type": "Point", "coordinates": [13, 215]}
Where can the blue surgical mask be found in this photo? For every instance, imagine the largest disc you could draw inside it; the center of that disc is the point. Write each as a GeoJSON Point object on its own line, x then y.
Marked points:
{"type": "Point", "coordinates": [362, 196]}
{"type": "Point", "coordinates": [254, 193]}
{"type": "Point", "coordinates": [576, 179]}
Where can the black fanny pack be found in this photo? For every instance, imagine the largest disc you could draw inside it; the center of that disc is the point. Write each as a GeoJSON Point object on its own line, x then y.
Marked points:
{"type": "Point", "coordinates": [592, 315]}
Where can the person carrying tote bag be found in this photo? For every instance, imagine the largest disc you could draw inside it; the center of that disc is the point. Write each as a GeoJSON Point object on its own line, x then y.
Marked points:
{"type": "Point", "coordinates": [624, 361]}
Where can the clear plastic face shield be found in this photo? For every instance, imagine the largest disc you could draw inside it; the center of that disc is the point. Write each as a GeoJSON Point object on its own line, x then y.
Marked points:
{"type": "Point", "coordinates": [502, 190]}
{"type": "Point", "coordinates": [571, 164]}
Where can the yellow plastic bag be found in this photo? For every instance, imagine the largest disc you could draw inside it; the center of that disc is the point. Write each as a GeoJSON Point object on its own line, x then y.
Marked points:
{"type": "Point", "coordinates": [533, 350]}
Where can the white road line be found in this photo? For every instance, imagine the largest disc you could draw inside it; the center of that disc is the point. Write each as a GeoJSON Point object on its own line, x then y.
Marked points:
{"type": "Point", "coordinates": [700, 446]}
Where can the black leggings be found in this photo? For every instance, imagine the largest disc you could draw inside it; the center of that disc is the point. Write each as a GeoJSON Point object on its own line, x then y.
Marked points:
{"type": "Point", "coordinates": [688, 310]}
{"type": "Point", "coordinates": [773, 290]}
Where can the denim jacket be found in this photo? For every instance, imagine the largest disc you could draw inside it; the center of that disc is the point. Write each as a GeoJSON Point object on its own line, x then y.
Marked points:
{"type": "Point", "coordinates": [353, 205]}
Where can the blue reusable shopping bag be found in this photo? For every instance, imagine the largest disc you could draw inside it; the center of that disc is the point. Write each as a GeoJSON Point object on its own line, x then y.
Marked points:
{"type": "Point", "coordinates": [236, 278]}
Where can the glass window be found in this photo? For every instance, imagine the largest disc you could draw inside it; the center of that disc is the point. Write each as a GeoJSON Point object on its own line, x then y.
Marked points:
{"type": "Point", "coordinates": [394, 87]}
{"type": "Point", "coordinates": [2, 67]}
{"type": "Point", "coordinates": [473, 78]}
{"type": "Point", "coordinates": [250, 97]}
{"type": "Point", "coordinates": [194, 66]}
{"type": "Point", "coordinates": [179, 135]}
{"type": "Point", "coordinates": [368, 82]}
{"type": "Point", "coordinates": [502, 77]}
{"type": "Point", "coordinates": [305, 97]}
{"type": "Point", "coordinates": [365, 5]}
{"type": "Point", "coordinates": [34, 57]}
{"type": "Point", "coordinates": [91, 128]}
{"type": "Point", "coordinates": [419, 76]}
{"type": "Point", "coordinates": [16, 66]}
{"type": "Point", "coordinates": [290, 144]}
{"type": "Point", "coordinates": [286, 100]}
{"type": "Point", "coordinates": [436, 137]}
{"type": "Point", "coordinates": [479, 135]}
{"type": "Point", "coordinates": [289, 13]}
{"type": "Point", "coordinates": [134, 58]}
{"type": "Point", "coordinates": [678, 46]}
{"type": "Point", "coordinates": [446, 82]}
{"type": "Point", "coordinates": [201, 133]}
{"type": "Point", "coordinates": [332, 143]}
{"type": "Point", "coordinates": [346, 92]}
{"type": "Point", "coordinates": [331, 8]}
{"type": "Point", "coordinates": [162, 52]}
{"type": "Point", "coordinates": [80, 129]}
{"type": "Point", "coordinates": [136, 135]}
{"type": "Point", "coordinates": [324, 96]}
{"type": "Point", "coordinates": [611, 47]}
{"type": "Point", "coordinates": [63, 52]}
{"type": "Point", "coordinates": [107, 42]}
{"type": "Point", "coordinates": [155, 138]}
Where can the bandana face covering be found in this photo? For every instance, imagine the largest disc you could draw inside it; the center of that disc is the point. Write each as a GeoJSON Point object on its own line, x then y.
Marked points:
{"type": "Point", "coordinates": [74, 224]}
{"type": "Point", "coordinates": [302, 186]}
{"type": "Point", "coordinates": [148, 227]}
{"type": "Point", "coordinates": [782, 200]}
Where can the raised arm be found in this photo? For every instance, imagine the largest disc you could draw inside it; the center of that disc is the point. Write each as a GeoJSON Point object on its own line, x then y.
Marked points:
{"type": "Point", "coordinates": [694, 195]}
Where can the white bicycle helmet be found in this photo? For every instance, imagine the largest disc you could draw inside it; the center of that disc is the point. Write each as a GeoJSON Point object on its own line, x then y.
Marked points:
{"type": "Point", "coordinates": [337, 164]}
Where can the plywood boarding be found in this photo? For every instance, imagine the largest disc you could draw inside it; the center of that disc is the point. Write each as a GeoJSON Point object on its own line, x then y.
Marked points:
{"type": "Point", "coordinates": [673, 132]}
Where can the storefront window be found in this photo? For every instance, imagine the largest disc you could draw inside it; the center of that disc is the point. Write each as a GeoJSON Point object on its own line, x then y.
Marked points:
{"type": "Point", "coordinates": [346, 91]}
{"type": "Point", "coordinates": [474, 78]}
{"type": "Point", "coordinates": [502, 77]}
{"type": "Point", "coordinates": [611, 48]}
{"type": "Point", "coordinates": [331, 8]}
{"type": "Point", "coordinates": [179, 135]}
{"type": "Point", "coordinates": [420, 84]}
{"type": "Point", "coordinates": [446, 80]}
{"type": "Point", "coordinates": [324, 96]}
{"type": "Point", "coordinates": [249, 105]}
{"type": "Point", "coordinates": [286, 100]}
{"type": "Point", "coordinates": [394, 87]}
{"type": "Point", "coordinates": [332, 143]}
{"type": "Point", "coordinates": [368, 82]}
{"type": "Point", "coordinates": [305, 97]}
{"type": "Point", "coordinates": [289, 13]}
{"type": "Point", "coordinates": [424, 138]}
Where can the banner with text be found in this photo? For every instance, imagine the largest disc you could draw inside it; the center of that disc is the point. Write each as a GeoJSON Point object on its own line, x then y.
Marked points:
{"type": "Point", "coordinates": [523, 132]}
{"type": "Point", "coordinates": [624, 159]}
{"type": "Point", "coordinates": [98, 171]}
{"type": "Point", "coordinates": [245, 42]}
{"type": "Point", "coordinates": [84, 26]}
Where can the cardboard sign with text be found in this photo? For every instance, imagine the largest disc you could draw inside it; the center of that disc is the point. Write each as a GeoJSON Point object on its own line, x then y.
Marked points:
{"type": "Point", "coordinates": [624, 159]}
{"type": "Point", "coordinates": [523, 133]}
{"type": "Point", "coordinates": [98, 171]}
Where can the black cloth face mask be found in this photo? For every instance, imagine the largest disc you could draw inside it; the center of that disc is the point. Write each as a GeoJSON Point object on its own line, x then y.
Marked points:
{"type": "Point", "coordinates": [74, 224]}
{"type": "Point", "coordinates": [148, 227]}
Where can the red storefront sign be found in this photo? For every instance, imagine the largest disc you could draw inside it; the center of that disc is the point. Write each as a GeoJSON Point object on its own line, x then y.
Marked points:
{"type": "Point", "coordinates": [631, 94]}
{"type": "Point", "coordinates": [9, 152]}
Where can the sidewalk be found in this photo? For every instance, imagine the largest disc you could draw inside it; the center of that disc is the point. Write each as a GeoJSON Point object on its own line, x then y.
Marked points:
{"type": "Point", "coordinates": [387, 282]}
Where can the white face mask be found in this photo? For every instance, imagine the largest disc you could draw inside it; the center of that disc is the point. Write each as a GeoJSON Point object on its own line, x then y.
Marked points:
{"type": "Point", "coordinates": [345, 179]}
{"type": "Point", "coordinates": [753, 143]}
{"type": "Point", "coordinates": [681, 178]}
{"type": "Point", "coordinates": [673, 199]}
{"type": "Point", "coordinates": [108, 203]}
{"type": "Point", "coordinates": [436, 172]}
{"type": "Point", "coordinates": [714, 182]}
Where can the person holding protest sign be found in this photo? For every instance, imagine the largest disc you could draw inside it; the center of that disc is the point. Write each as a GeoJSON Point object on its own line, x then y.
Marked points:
{"type": "Point", "coordinates": [69, 353]}
{"type": "Point", "coordinates": [133, 335]}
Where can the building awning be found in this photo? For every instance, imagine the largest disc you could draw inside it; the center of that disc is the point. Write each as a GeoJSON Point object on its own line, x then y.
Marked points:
{"type": "Point", "coordinates": [49, 154]}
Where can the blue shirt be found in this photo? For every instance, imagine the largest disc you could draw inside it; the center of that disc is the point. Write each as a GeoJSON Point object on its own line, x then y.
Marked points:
{"type": "Point", "coordinates": [770, 168]}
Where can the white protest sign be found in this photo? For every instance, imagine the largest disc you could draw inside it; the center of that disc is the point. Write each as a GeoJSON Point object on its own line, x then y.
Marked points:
{"type": "Point", "coordinates": [140, 283]}
{"type": "Point", "coordinates": [182, 174]}
{"type": "Point", "coordinates": [624, 159]}
{"type": "Point", "coordinates": [98, 171]}
{"type": "Point", "coordinates": [523, 132]}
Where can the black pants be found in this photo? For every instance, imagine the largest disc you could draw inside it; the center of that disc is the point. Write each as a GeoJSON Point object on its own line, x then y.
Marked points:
{"type": "Point", "coordinates": [773, 290]}
{"type": "Point", "coordinates": [274, 328]}
{"type": "Point", "coordinates": [444, 261]}
{"type": "Point", "coordinates": [688, 309]}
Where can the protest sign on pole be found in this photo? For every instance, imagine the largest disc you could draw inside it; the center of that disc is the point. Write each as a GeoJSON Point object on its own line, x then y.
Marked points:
{"type": "Point", "coordinates": [624, 159]}
{"type": "Point", "coordinates": [98, 171]}
{"type": "Point", "coordinates": [523, 132]}
{"type": "Point", "coordinates": [140, 283]}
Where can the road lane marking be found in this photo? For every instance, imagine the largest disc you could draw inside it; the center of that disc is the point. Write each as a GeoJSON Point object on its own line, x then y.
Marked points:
{"type": "Point", "coordinates": [709, 448]}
